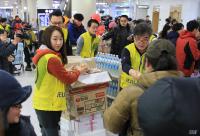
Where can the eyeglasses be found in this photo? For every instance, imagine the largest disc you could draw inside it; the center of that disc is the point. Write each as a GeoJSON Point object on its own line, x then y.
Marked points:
{"type": "Point", "coordinates": [143, 38]}
{"type": "Point", "coordinates": [56, 23]}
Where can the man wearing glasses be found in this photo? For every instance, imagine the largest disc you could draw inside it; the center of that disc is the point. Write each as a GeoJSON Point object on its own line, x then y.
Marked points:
{"type": "Point", "coordinates": [133, 55]}
{"type": "Point", "coordinates": [56, 19]}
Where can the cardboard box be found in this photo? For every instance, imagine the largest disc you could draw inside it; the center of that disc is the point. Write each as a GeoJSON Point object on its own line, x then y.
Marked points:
{"type": "Point", "coordinates": [77, 60]}
{"type": "Point", "coordinates": [88, 99]}
{"type": "Point", "coordinates": [87, 125]}
{"type": "Point", "coordinates": [88, 94]}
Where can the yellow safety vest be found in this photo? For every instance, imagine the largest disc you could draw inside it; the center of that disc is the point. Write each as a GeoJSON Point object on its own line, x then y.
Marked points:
{"type": "Point", "coordinates": [7, 28]}
{"type": "Point", "coordinates": [49, 92]}
{"type": "Point", "coordinates": [152, 38]}
{"type": "Point", "coordinates": [90, 45]}
{"type": "Point", "coordinates": [65, 32]}
{"type": "Point", "coordinates": [32, 37]}
{"type": "Point", "coordinates": [137, 63]}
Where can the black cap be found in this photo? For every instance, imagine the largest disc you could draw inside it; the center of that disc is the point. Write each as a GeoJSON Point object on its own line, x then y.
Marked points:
{"type": "Point", "coordinates": [11, 92]}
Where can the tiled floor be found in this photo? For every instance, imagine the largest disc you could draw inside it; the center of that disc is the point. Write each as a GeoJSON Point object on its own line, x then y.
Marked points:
{"type": "Point", "coordinates": [27, 78]}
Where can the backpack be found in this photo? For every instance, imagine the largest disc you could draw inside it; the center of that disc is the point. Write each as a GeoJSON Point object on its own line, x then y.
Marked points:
{"type": "Point", "coordinates": [171, 107]}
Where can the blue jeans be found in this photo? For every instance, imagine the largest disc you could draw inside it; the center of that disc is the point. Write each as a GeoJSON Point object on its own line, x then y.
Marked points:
{"type": "Point", "coordinates": [48, 121]}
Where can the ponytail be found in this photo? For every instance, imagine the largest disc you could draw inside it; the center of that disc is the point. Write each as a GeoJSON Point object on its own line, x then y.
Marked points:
{"type": "Point", "coordinates": [164, 62]}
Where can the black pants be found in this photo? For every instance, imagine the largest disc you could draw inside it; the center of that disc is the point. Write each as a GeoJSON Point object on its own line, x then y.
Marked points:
{"type": "Point", "coordinates": [48, 121]}
{"type": "Point", "coordinates": [69, 50]}
{"type": "Point", "coordinates": [27, 55]}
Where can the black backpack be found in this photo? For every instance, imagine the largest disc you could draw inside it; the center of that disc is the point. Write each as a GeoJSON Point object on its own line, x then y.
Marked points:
{"type": "Point", "coordinates": [171, 107]}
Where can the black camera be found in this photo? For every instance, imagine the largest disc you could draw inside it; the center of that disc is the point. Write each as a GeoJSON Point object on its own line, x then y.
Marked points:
{"type": "Point", "coordinates": [22, 36]}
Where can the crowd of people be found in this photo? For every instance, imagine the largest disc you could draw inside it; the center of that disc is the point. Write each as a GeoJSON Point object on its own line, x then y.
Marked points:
{"type": "Point", "coordinates": [145, 57]}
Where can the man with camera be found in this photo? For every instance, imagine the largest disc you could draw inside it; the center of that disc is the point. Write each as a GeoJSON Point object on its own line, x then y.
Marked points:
{"type": "Point", "coordinates": [6, 50]}
{"type": "Point", "coordinates": [29, 39]}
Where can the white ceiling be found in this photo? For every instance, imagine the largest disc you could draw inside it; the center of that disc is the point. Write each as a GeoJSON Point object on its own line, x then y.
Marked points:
{"type": "Point", "coordinates": [112, 1]}
{"type": "Point", "coordinates": [8, 3]}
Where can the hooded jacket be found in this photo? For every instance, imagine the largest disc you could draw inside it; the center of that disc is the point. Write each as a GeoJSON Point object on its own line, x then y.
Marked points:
{"type": "Point", "coordinates": [124, 107]}
{"type": "Point", "coordinates": [183, 52]}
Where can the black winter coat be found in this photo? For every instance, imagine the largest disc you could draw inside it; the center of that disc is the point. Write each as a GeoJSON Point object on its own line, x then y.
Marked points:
{"type": "Point", "coordinates": [5, 51]}
{"type": "Point", "coordinates": [173, 36]}
{"type": "Point", "coordinates": [23, 128]}
{"type": "Point", "coordinates": [119, 39]}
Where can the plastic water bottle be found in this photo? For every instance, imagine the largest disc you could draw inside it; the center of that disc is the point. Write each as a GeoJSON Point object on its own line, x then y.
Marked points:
{"type": "Point", "coordinates": [116, 87]}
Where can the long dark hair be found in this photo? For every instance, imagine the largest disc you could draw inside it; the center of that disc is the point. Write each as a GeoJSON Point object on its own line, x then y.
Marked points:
{"type": "Point", "coordinates": [4, 120]}
{"type": "Point", "coordinates": [46, 40]}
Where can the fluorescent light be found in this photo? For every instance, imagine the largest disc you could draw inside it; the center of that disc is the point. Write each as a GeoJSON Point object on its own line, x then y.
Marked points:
{"type": "Point", "coordinates": [101, 3]}
{"type": "Point", "coordinates": [6, 7]}
{"type": "Point", "coordinates": [143, 6]}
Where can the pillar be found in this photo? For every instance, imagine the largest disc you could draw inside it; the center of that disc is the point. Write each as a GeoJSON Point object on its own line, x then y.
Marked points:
{"type": "Point", "coordinates": [20, 9]}
{"type": "Point", "coordinates": [14, 11]}
{"type": "Point", "coordinates": [32, 12]}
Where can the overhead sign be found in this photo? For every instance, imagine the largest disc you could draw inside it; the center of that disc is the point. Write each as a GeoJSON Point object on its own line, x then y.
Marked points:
{"type": "Point", "coordinates": [43, 16]}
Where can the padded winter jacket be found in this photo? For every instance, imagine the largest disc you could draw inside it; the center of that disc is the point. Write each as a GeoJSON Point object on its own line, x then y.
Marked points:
{"type": "Point", "coordinates": [119, 39]}
{"type": "Point", "coordinates": [124, 107]}
{"type": "Point", "coordinates": [23, 128]}
{"type": "Point", "coordinates": [187, 52]}
{"type": "Point", "coordinates": [75, 32]}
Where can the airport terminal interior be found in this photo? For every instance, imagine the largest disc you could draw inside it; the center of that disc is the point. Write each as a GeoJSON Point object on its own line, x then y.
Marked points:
{"type": "Point", "coordinates": [89, 63]}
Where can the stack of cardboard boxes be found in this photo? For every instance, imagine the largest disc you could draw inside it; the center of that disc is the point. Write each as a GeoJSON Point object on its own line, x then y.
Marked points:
{"type": "Point", "coordinates": [86, 102]}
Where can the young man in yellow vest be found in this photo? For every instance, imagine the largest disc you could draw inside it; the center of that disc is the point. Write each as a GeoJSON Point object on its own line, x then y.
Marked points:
{"type": "Point", "coordinates": [56, 19]}
{"type": "Point", "coordinates": [4, 25]}
{"type": "Point", "coordinates": [133, 55]}
{"type": "Point", "coordinates": [87, 43]}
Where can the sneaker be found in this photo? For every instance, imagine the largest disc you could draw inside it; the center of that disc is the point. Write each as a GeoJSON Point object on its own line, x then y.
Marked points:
{"type": "Point", "coordinates": [28, 68]}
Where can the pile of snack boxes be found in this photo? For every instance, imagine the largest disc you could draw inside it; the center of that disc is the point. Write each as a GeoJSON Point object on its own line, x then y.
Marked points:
{"type": "Point", "coordinates": [86, 102]}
